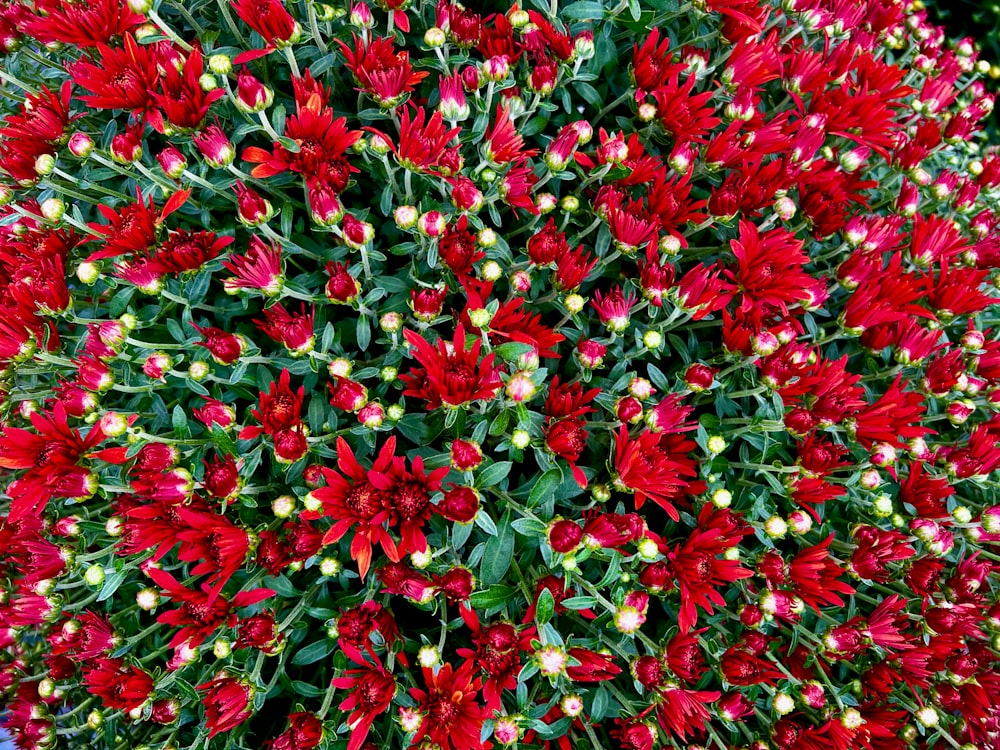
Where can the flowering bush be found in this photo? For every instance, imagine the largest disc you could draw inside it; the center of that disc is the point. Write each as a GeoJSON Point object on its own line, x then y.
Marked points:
{"type": "Point", "coordinates": [569, 376]}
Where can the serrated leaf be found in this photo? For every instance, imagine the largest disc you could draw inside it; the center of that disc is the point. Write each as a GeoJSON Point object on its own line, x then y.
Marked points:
{"type": "Point", "coordinates": [498, 554]}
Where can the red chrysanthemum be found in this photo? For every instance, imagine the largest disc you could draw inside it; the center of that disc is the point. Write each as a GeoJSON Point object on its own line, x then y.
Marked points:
{"type": "Point", "coordinates": [451, 374]}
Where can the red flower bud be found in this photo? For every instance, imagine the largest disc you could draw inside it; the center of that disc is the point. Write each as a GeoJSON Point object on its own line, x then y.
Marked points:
{"type": "Point", "coordinates": [253, 209]}
{"type": "Point", "coordinates": [342, 287]}
{"type": "Point", "coordinates": [564, 536]}
{"type": "Point", "coordinates": [629, 410]}
{"type": "Point", "coordinates": [290, 445]}
{"type": "Point", "coordinates": [172, 162]}
{"type": "Point", "coordinates": [460, 505]}
{"type": "Point", "coordinates": [648, 671]}
{"type": "Point", "coordinates": [590, 353]}
{"type": "Point", "coordinates": [457, 584]}
{"type": "Point", "coordinates": [222, 477]}
{"type": "Point", "coordinates": [699, 377]}
{"type": "Point", "coordinates": [466, 455]}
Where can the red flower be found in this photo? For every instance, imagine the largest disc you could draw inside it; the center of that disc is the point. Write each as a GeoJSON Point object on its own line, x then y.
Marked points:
{"type": "Point", "coordinates": [450, 714]}
{"type": "Point", "coordinates": [381, 71]}
{"type": "Point", "coordinates": [458, 249]}
{"type": "Point", "coordinates": [228, 703]}
{"type": "Point", "coordinates": [351, 498]}
{"type": "Point", "coordinates": [199, 612]}
{"type": "Point", "coordinates": [653, 64]}
{"type": "Point", "coordinates": [322, 140]}
{"type": "Point", "coordinates": [269, 18]}
{"type": "Point", "coordinates": [451, 375]}
{"type": "Point", "coordinates": [91, 24]}
{"type": "Point", "coordinates": [43, 117]}
{"type": "Point", "coordinates": [504, 145]}
{"type": "Point", "coordinates": [293, 330]}
{"type": "Point", "coordinates": [183, 101]}
{"type": "Point", "coordinates": [682, 712]}
{"type": "Point", "coordinates": [121, 687]}
{"type": "Point", "coordinates": [215, 545]}
{"type": "Point", "coordinates": [497, 651]}
{"type": "Point", "coordinates": [134, 227]}
{"type": "Point", "coordinates": [592, 667]}
{"type": "Point", "coordinates": [816, 576]}
{"type": "Point", "coordinates": [698, 570]}
{"type": "Point", "coordinates": [769, 269]}
{"type": "Point", "coordinates": [305, 732]}
{"type": "Point", "coordinates": [371, 690]}
{"type": "Point", "coordinates": [51, 456]}
{"type": "Point", "coordinates": [510, 322]}
{"type": "Point", "coordinates": [409, 499]}
{"type": "Point", "coordinates": [280, 409]}
{"type": "Point", "coordinates": [259, 269]}
{"type": "Point", "coordinates": [684, 115]}
{"type": "Point", "coordinates": [222, 477]}
{"type": "Point", "coordinates": [421, 146]}
{"type": "Point", "coordinates": [225, 348]}
{"type": "Point", "coordinates": [649, 470]}
{"type": "Point", "coordinates": [614, 309]}
{"type": "Point", "coordinates": [122, 78]}
{"type": "Point", "coordinates": [185, 251]}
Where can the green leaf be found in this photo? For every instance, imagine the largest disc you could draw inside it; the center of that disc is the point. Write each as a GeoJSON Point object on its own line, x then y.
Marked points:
{"type": "Point", "coordinates": [111, 583]}
{"type": "Point", "coordinates": [512, 350]}
{"type": "Point", "coordinates": [281, 586]}
{"type": "Point", "coordinates": [529, 527]}
{"type": "Point", "coordinates": [584, 10]}
{"type": "Point", "coordinates": [313, 652]}
{"type": "Point", "coordinates": [307, 689]}
{"type": "Point", "coordinates": [364, 332]}
{"type": "Point", "coordinates": [547, 484]}
{"type": "Point", "coordinates": [180, 421]}
{"type": "Point", "coordinates": [494, 474]}
{"type": "Point", "coordinates": [498, 554]}
{"type": "Point", "coordinates": [316, 415]}
{"type": "Point", "coordinates": [546, 607]}
{"type": "Point", "coordinates": [494, 596]}
{"type": "Point", "coordinates": [222, 441]}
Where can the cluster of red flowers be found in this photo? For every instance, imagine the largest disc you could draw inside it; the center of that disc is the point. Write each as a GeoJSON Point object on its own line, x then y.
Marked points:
{"type": "Point", "coordinates": [413, 376]}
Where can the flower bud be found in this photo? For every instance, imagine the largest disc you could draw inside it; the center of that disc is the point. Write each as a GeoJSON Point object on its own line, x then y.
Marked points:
{"type": "Point", "coordinates": [520, 387]}
{"type": "Point", "coordinates": [126, 147]}
{"type": "Point", "coordinates": [564, 536]}
{"type": "Point", "coordinates": [251, 94]}
{"type": "Point", "coordinates": [80, 145]}
{"type": "Point", "coordinates": [220, 64]}
{"type": "Point", "coordinates": [172, 162]}
{"type": "Point", "coordinates": [466, 455]}
{"type": "Point", "coordinates": [53, 209]}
